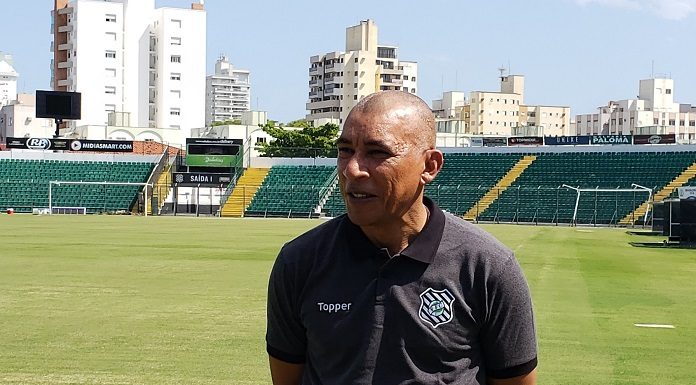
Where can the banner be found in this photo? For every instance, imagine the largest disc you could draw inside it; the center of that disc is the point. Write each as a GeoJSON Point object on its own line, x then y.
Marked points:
{"type": "Point", "coordinates": [201, 178]}
{"type": "Point", "coordinates": [101, 145]}
{"type": "Point", "coordinates": [38, 143]}
{"type": "Point", "coordinates": [476, 142]}
{"type": "Point", "coordinates": [612, 139]}
{"type": "Point", "coordinates": [655, 139]}
{"type": "Point", "coordinates": [688, 192]}
{"type": "Point", "coordinates": [71, 144]}
{"type": "Point", "coordinates": [494, 142]}
{"type": "Point", "coordinates": [210, 160]}
{"type": "Point", "coordinates": [566, 140]}
{"type": "Point", "coordinates": [525, 141]}
{"type": "Point", "coordinates": [214, 142]}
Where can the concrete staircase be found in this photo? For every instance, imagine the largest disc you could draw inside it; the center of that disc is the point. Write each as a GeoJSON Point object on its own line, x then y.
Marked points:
{"type": "Point", "coordinates": [502, 185]}
{"type": "Point", "coordinates": [161, 189]}
{"type": "Point", "coordinates": [661, 195]}
{"type": "Point", "coordinates": [244, 191]}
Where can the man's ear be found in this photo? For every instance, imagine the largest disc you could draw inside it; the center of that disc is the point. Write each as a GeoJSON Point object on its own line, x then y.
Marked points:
{"type": "Point", "coordinates": [433, 164]}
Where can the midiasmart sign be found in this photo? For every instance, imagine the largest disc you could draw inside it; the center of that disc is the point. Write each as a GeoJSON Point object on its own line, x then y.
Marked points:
{"type": "Point", "coordinates": [210, 160]}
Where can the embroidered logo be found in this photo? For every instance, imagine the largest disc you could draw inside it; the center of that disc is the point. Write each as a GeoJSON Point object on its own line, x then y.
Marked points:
{"type": "Point", "coordinates": [436, 306]}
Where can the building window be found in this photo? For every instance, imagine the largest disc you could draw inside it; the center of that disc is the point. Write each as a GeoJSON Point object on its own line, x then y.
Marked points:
{"type": "Point", "coordinates": [176, 41]}
{"type": "Point", "coordinates": [110, 108]}
{"type": "Point", "coordinates": [110, 90]}
{"type": "Point", "coordinates": [413, 79]}
{"type": "Point", "coordinates": [413, 90]}
{"type": "Point", "coordinates": [111, 36]}
{"type": "Point", "coordinates": [111, 72]}
{"type": "Point", "coordinates": [175, 59]}
{"type": "Point", "coordinates": [175, 76]}
{"type": "Point", "coordinates": [355, 97]}
{"type": "Point", "coordinates": [672, 122]}
{"type": "Point", "coordinates": [405, 77]}
{"type": "Point", "coordinates": [110, 18]}
{"type": "Point", "coordinates": [260, 140]}
{"type": "Point", "coordinates": [110, 54]}
{"type": "Point", "coordinates": [176, 23]}
{"type": "Point", "coordinates": [692, 123]}
{"type": "Point", "coordinates": [356, 59]}
{"type": "Point", "coordinates": [175, 111]}
{"type": "Point", "coordinates": [668, 91]}
{"type": "Point", "coordinates": [176, 94]}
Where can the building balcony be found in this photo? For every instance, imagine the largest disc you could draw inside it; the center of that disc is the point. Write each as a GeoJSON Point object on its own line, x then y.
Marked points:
{"type": "Point", "coordinates": [332, 91]}
{"type": "Point", "coordinates": [65, 47]}
{"type": "Point", "coordinates": [314, 70]}
{"type": "Point", "coordinates": [65, 64]}
{"type": "Point", "coordinates": [65, 28]}
{"type": "Point", "coordinates": [322, 104]}
{"type": "Point", "coordinates": [313, 82]}
{"type": "Point", "coordinates": [334, 79]}
{"type": "Point", "coordinates": [315, 94]}
{"type": "Point", "coordinates": [65, 11]}
{"type": "Point", "coordinates": [65, 83]}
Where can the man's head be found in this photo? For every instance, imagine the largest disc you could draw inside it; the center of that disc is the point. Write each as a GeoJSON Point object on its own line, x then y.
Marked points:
{"type": "Point", "coordinates": [386, 156]}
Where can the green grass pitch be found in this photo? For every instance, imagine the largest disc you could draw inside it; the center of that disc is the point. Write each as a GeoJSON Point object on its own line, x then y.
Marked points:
{"type": "Point", "coordinates": [163, 300]}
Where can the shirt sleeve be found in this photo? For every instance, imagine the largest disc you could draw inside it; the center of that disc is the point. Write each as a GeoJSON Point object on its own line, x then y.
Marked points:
{"type": "Point", "coordinates": [285, 334]}
{"type": "Point", "coordinates": [508, 334]}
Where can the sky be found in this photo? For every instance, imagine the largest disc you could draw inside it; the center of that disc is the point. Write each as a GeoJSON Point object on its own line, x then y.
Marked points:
{"type": "Point", "coordinates": [577, 53]}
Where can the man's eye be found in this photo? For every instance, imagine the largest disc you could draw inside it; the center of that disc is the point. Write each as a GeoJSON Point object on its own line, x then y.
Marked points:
{"type": "Point", "coordinates": [344, 150]}
{"type": "Point", "coordinates": [379, 153]}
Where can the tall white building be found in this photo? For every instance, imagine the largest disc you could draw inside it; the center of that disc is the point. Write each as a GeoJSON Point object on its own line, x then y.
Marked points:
{"type": "Point", "coordinates": [8, 80]}
{"type": "Point", "coordinates": [228, 93]}
{"type": "Point", "coordinates": [653, 112]}
{"type": "Point", "coordinates": [338, 80]}
{"type": "Point", "coordinates": [135, 65]}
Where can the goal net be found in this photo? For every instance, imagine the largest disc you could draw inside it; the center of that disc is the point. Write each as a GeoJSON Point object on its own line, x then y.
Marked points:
{"type": "Point", "coordinates": [70, 197]}
{"type": "Point", "coordinates": [595, 206]}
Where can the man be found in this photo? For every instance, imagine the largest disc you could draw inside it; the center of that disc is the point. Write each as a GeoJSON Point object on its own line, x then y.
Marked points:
{"type": "Point", "coordinates": [397, 291]}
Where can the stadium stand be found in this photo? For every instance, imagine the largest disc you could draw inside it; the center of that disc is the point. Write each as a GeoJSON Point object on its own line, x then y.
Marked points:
{"type": "Point", "coordinates": [24, 184]}
{"type": "Point", "coordinates": [538, 196]}
{"type": "Point", "coordinates": [291, 191]}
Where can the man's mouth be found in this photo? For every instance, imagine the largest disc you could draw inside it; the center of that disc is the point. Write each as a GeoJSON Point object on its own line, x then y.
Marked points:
{"type": "Point", "coordinates": [360, 195]}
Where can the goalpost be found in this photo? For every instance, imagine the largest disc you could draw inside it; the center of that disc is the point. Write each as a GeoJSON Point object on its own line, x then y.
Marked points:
{"type": "Point", "coordinates": [635, 188]}
{"type": "Point", "coordinates": [76, 210]}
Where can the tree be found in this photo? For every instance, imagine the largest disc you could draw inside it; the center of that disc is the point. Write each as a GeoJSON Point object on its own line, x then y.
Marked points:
{"type": "Point", "coordinates": [308, 142]}
{"type": "Point", "coordinates": [227, 122]}
{"type": "Point", "coordinates": [301, 123]}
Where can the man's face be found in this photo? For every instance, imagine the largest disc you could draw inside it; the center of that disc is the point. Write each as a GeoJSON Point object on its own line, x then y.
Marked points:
{"type": "Point", "coordinates": [380, 165]}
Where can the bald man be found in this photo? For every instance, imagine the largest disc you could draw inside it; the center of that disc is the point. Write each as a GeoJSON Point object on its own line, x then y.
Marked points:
{"type": "Point", "coordinates": [397, 291]}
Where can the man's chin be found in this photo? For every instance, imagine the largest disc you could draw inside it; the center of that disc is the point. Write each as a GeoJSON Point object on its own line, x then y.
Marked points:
{"type": "Point", "coordinates": [361, 218]}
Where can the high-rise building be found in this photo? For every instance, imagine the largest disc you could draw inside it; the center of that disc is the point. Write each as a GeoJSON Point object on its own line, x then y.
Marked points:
{"type": "Point", "coordinates": [653, 112]}
{"type": "Point", "coordinates": [135, 65]}
{"type": "Point", "coordinates": [338, 80]}
{"type": "Point", "coordinates": [228, 93]}
{"type": "Point", "coordinates": [8, 80]}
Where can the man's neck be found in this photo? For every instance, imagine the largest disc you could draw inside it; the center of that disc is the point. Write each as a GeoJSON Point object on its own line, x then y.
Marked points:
{"type": "Point", "coordinates": [397, 236]}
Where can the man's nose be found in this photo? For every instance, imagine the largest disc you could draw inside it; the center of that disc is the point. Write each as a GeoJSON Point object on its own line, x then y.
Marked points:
{"type": "Point", "coordinates": [354, 168]}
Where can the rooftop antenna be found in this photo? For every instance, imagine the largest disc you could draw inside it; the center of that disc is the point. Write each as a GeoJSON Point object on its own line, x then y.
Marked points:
{"type": "Point", "coordinates": [502, 70]}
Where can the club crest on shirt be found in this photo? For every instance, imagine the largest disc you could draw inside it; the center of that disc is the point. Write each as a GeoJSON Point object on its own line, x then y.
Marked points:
{"type": "Point", "coordinates": [436, 306]}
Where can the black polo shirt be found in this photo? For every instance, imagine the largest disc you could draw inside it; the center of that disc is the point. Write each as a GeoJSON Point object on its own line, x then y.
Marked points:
{"type": "Point", "coordinates": [453, 307]}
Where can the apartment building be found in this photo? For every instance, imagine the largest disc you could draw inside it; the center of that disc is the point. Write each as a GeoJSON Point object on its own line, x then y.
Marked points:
{"type": "Point", "coordinates": [499, 113]}
{"type": "Point", "coordinates": [228, 93]}
{"type": "Point", "coordinates": [339, 79]}
{"type": "Point", "coordinates": [653, 112]}
{"type": "Point", "coordinates": [135, 65]}
{"type": "Point", "coordinates": [8, 80]}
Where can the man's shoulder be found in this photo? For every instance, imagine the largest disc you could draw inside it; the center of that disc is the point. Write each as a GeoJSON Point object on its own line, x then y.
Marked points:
{"type": "Point", "coordinates": [317, 241]}
{"type": "Point", "coordinates": [471, 241]}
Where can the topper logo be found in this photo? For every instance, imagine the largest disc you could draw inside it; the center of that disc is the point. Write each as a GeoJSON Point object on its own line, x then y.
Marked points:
{"type": "Point", "coordinates": [38, 144]}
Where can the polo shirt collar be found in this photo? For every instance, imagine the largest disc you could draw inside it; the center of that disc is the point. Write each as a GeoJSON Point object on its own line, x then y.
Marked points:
{"type": "Point", "coordinates": [423, 248]}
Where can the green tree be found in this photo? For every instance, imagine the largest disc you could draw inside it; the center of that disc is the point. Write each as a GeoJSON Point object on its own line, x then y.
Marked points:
{"type": "Point", "coordinates": [227, 122]}
{"type": "Point", "coordinates": [301, 123]}
{"type": "Point", "coordinates": [307, 142]}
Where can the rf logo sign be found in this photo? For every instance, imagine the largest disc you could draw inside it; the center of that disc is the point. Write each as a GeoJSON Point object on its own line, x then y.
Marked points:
{"type": "Point", "coordinates": [38, 144]}
{"type": "Point", "coordinates": [436, 306]}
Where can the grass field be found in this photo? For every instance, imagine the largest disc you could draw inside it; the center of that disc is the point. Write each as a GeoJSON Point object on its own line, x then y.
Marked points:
{"type": "Point", "coordinates": [162, 300]}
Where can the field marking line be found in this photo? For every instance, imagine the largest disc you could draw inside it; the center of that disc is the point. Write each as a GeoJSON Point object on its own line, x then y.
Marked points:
{"type": "Point", "coordinates": [656, 326]}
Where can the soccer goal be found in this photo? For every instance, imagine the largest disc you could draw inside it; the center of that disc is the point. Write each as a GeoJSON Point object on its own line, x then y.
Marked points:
{"type": "Point", "coordinates": [82, 207]}
{"type": "Point", "coordinates": [601, 201]}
